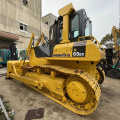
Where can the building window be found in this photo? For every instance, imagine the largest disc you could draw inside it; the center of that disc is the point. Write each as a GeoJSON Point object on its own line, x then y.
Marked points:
{"type": "Point", "coordinates": [25, 2]}
{"type": "Point", "coordinates": [23, 27]}
{"type": "Point", "coordinates": [46, 23]}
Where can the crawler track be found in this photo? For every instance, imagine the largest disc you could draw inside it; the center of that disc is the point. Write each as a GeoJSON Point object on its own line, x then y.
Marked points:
{"type": "Point", "coordinates": [102, 75]}
{"type": "Point", "coordinates": [83, 108]}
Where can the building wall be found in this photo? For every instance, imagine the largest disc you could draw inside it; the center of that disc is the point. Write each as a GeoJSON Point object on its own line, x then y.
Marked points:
{"type": "Point", "coordinates": [45, 30]}
{"type": "Point", "coordinates": [47, 21]}
{"type": "Point", "coordinates": [13, 11]}
{"type": "Point", "coordinates": [49, 18]}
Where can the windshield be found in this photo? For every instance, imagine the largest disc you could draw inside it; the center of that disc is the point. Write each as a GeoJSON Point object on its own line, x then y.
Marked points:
{"type": "Point", "coordinates": [88, 28]}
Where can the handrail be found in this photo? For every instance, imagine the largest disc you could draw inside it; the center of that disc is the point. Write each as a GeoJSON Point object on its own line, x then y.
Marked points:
{"type": "Point", "coordinates": [92, 38]}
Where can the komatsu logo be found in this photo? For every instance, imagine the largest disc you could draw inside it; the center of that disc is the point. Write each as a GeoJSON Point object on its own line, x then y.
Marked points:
{"type": "Point", "coordinates": [78, 54]}
{"type": "Point", "coordinates": [61, 55]}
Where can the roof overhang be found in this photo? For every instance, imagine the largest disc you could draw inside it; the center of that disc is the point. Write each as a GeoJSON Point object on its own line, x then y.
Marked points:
{"type": "Point", "coordinates": [8, 36]}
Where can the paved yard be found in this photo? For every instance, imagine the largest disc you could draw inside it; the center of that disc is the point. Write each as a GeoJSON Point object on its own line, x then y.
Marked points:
{"type": "Point", "coordinates": [22, 98]}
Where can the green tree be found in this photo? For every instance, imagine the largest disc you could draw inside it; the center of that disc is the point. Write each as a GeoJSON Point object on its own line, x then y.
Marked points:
{"type": "Point", "coordinates": [107, 41]}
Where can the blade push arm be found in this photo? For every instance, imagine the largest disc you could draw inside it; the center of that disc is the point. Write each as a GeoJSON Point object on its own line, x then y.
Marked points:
{"type": "Point", "coordinates": [39, 40]}
{"type": "Point", "coordinates": [37, 43]}
{"type": "Point", "coordinates": [29, 46]}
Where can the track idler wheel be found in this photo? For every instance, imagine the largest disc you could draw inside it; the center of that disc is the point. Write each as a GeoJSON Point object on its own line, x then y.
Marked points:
{"type": "Point", "coordinates": [78, 90]}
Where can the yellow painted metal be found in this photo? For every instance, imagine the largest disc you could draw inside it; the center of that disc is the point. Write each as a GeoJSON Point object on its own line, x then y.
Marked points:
{"type": "Point", "coordinates": [51, 78]}
{"type": "Point", "coordinates": [115, 31]}
{"type": "Point", "coordinates": [93, 38]}
{"type": "Point", "coordinates": [24, 79]}
{"type": "Point", "coordinates": [29, 46]}
{"type": "Point", "coordinates": [65, 11]}
{"type": "Point", "coordinates": [100, 75]}
{"type": "Point", "coordinates": [56, 87]}
{"type": "Point", "coordinates": [14, 69]}
{"type": "Point", "coordinates": [54, 76]}
{"type": "Point", "coordinates": [77, 91]}
{"type": "Point", "coordinates": [65, 29]}
{"type": "Point", "coordinates": [93, 52]}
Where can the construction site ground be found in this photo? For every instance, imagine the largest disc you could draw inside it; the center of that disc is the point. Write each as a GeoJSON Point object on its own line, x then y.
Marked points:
{"type": "Point", "coordinates": [22, 98]}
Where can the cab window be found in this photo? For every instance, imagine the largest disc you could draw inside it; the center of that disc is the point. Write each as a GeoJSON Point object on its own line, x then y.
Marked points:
{"type": "Point", "coordinates": [61, 30]}
{"type": "Point", "coordinates": [88, 28]}
{"type": "Point", "coordinates": [74, 26]}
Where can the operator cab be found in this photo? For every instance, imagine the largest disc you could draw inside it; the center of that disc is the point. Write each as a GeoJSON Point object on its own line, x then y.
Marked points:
{"type": "Point", "coordinates": [79, 25]}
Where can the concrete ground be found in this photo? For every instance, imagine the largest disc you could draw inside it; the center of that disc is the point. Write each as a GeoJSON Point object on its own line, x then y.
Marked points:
{"type": "Point", "coordinates": [22, 98]}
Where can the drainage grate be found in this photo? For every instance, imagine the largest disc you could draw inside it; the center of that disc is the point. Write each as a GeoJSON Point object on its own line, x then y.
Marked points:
{"type": "Point", "coordinates": [35, 114]}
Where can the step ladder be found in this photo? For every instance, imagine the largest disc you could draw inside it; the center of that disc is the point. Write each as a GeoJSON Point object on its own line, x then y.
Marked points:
{"type": "Point", "coordinates": [4, 110]}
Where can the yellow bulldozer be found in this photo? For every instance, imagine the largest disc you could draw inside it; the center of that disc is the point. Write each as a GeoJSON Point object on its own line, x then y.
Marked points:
{"type": "Point", "coordinates": [64, 68]}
